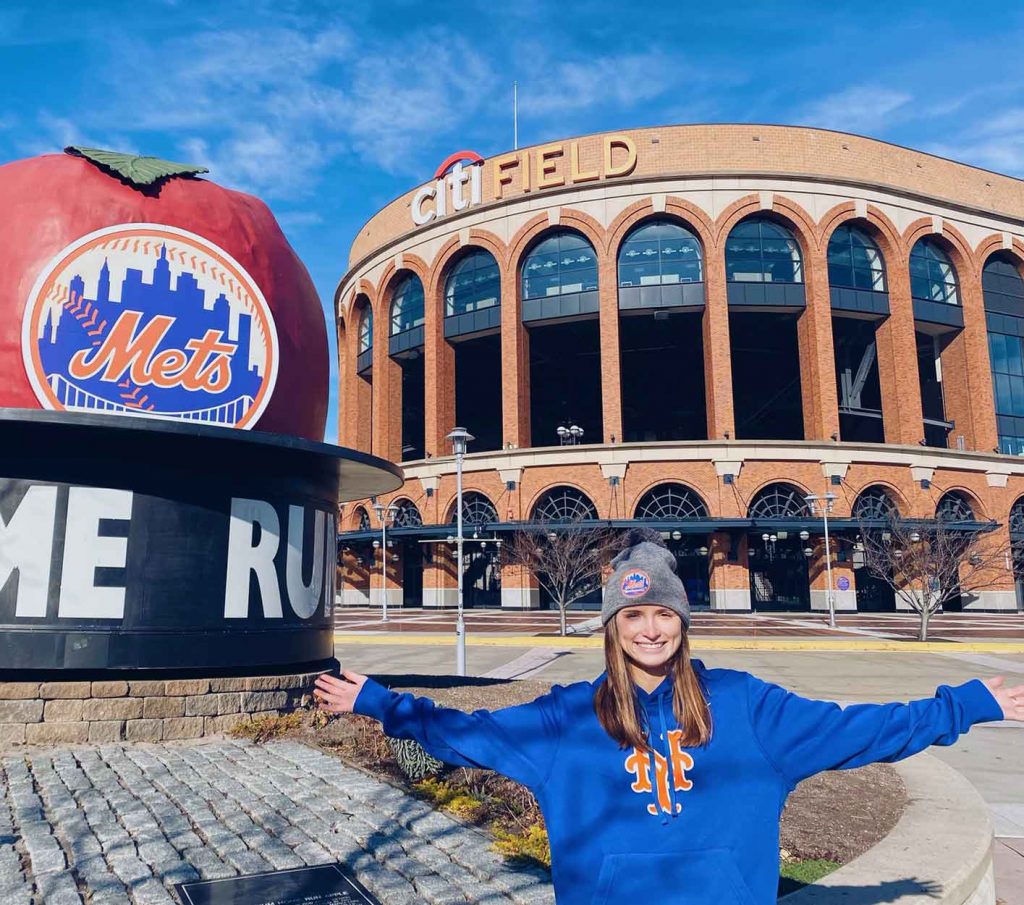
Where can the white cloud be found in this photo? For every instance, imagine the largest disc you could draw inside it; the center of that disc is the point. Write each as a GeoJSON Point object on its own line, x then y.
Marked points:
{"type": "Point", "coordinates": [574, 86]}
{"type": "Point", "coordinates": [409, 96]}
{"type": "Point", "coordinates": [863, 109]}
{"type": "Point", "coordinates": [995, 143]}
{"type": "Point", "coordinates": [54, 133]}
{"type": "Point", "coordinates": [268, 108]}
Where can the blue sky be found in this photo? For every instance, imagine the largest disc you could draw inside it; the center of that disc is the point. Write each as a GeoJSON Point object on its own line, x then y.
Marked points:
{"type": "Point", "coordinates": [328, 110]}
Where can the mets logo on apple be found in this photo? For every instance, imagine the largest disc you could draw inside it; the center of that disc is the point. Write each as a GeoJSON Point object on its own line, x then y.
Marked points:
{"type": "Point", "coordinates": [146, 319]}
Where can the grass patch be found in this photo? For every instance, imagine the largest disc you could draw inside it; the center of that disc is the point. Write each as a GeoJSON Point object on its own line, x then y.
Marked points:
{"type": "Point", "coordinates": [795, 874]}
{"type": "Point", "coordinates": [266, 728]}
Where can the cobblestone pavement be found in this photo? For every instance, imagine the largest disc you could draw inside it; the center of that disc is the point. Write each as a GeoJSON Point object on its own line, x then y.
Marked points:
{"type": "Point", "coordinates": [124, 823]}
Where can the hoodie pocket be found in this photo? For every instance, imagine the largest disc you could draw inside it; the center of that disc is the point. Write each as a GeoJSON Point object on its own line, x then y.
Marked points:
{"type": "Point", "coordinates": [696, 877]}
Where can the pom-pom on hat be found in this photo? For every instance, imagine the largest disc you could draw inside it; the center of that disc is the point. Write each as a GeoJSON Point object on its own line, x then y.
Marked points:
{"type": "Point", "coordinates": [644, 574]}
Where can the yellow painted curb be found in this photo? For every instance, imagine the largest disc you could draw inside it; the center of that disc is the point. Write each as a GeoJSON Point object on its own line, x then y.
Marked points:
{"type": "Point", "coordinates": [880, 645]}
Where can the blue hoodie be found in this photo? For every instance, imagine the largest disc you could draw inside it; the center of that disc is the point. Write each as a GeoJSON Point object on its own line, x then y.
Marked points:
{"type": "Point", "coordinates": [690, 826]}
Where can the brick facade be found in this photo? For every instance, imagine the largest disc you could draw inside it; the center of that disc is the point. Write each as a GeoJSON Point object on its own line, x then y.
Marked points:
{"type": "Point", "coordinates": [708, 178]}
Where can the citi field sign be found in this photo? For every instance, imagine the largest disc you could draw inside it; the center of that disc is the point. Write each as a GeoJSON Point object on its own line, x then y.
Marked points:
{"type": "Point", "coordinates": [459, 181]}
{"type": "Point", "coordinates": [151, 320]}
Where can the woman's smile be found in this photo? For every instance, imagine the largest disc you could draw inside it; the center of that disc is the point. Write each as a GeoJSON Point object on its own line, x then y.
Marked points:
{"type": "Point", "coordinates": [650, 637]}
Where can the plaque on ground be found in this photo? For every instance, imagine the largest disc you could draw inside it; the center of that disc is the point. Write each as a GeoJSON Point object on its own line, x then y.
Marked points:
{"type": "Point", "coordinates": [326, 884]}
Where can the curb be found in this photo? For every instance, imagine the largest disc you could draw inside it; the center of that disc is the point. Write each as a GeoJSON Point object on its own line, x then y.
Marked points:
{"type": "Point", "coordinates": [939, 853]}
{"type": "Point", "coordinates": [696, 644]}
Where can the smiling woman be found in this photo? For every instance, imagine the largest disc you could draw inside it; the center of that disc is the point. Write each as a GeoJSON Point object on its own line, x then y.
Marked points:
{"type": "Point", "coordinates": [668, 775]}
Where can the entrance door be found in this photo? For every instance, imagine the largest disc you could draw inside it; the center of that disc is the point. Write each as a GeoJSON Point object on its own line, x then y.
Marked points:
{"type": "Point", "coordinates": [692, 569]}
{"type": "Point", "coordinates": [481, 580]}
{"type": "Point", "coordinates": [873, 594]}
{"type": "Point", "coordinates": [779, 580]}
{"type": "Point", "coordinates": [412, 573]}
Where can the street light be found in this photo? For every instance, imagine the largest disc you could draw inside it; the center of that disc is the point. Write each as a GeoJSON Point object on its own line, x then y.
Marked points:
{"type": "Point", "coordinates": [459, 437]}
{"type": "Point", "coordinates": [382, 513]}
{"type": "Point", "coordinates": [824, 503]}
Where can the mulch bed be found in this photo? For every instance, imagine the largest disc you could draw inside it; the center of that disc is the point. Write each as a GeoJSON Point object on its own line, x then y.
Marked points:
{"type": "Point", "coordinates": [835, 816]}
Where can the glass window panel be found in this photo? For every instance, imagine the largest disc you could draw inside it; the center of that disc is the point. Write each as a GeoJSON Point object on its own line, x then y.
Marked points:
{"type": "Point", "coordinates": [997, 350]}
{"type": "Point", "coordinates": [758, 250]}
{"type": "Point", "coordinates": [366, 330]}
{"type": "Point", "coordinates": [1014, 364]}
{"type": "Point", "coordinates": [1016, 395]}
{"type": "Point", "coordinates": [1003, 400]}
{"type": "Point", "coordinates": [840, 274]}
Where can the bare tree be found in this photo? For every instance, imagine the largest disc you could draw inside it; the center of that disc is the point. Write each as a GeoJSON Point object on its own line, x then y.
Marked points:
{"type": "Point", "coordinates": [566, 558]}
{"type": "Point", "coordinates": [929, 563]}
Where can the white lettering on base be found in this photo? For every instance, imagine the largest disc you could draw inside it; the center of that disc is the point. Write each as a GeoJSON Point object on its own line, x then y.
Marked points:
{"type": "Point", "coordinates": [304, 599]}
{"type": "Point", "coordinates": [244, 557]}
{"type": "Point", "coordinates": [26, 545]}
{"type": "Point", "coordinates": [85, 551]}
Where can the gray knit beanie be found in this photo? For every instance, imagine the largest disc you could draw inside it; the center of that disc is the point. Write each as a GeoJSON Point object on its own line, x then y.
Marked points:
{"type": "Point", "coordinates": [644, 575]}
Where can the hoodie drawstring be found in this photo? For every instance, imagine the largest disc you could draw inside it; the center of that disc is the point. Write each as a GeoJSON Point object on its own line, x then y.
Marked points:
{"type": "Point", "coordinates": [670, 779]}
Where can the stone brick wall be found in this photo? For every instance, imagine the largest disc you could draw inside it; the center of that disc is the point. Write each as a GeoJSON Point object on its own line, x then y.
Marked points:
{"type": "Point", "coordinates": [151, 710]}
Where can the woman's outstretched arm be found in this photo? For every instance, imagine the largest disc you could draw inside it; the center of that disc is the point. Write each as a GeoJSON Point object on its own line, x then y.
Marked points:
{"type": "Point", "coordinates": [801, 737]}
{"type": "Point", "coordinates": [518, 742]}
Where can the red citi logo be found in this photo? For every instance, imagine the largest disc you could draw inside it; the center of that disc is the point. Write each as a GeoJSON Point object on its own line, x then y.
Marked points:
{"type": "Point", "coordinates": [459, 170]}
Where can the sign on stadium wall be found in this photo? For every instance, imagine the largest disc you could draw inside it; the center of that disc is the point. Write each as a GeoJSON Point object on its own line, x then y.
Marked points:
{"type": "Point", "coordinates": [459, 180]}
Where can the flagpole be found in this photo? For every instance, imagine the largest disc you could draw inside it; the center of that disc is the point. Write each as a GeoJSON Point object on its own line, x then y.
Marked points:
{"type": "Point", "coordinates": [515, 116]}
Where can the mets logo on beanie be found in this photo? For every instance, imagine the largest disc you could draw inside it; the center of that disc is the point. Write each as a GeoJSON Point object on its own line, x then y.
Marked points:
{"type": "Point", "coordinates": [635, 583]}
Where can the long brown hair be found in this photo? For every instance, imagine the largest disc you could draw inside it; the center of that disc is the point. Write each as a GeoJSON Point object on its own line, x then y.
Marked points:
{"type": "Point", "coordinates": [618, 708]}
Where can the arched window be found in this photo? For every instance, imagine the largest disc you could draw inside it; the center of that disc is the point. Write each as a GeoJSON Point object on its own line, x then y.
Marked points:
{"type": "Point", "coordinates": [954, 507]}
{"type": "Point", "coordinates": [564, 504]}
{"type": "Point", "coordinates": [778, 501]}
{"type": "Point", "coordinates": [407, 516]}
{"type": "Point", "coordinates": [932, 275]}
{"type": "Point", "coordinates": [1003, 290]}
{"type": "Point", "coordinates": [364, 519]}
{"type": "Point", "coordinates": [660, 252]}
{"type": "Point", "coordinates": [874, 504]}
{"type": "Point", "coordinates": [477, 509]}
{"type": "Point", "coordinates": [562, 263]}
{"type": "Point", "coordinates": [366, 330]}
{"type": "Point", "coordinates": [1002, 286]}
{"type": "Point", "coordinates": [670, 501]}
{"type": "Point", "coordinates": [854, 260]}
{"type": "Point", "coordinates": [407, 304]}
{"type": "Point", "coordinates": [1017, 520]}
{"type": "Point", "coordinates": [759, 250]}
{"type": "Point", "coordinates": [473, 283]}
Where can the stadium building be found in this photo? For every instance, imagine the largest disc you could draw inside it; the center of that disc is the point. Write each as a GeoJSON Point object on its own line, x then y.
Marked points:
{"type": "Point", "coordinates": [689, 327]}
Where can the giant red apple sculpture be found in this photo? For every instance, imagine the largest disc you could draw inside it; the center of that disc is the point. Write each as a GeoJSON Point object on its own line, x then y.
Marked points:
{"type": "Point", "coordinates": [130, 286]}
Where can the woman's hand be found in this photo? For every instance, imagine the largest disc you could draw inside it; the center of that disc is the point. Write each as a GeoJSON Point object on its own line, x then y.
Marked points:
{"type": "Point", "coordinates": [338, 695]}
{"type": "Point", "coordinates": [1010, 699]}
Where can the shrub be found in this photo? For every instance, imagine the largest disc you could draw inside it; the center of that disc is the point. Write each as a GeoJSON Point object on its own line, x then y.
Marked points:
{"type": "Point", "coordinates": [450, 798]}
{"type": "Point", "coordinates": [413, 760]}
{"type": "Point", "coordinates": [530, 846]}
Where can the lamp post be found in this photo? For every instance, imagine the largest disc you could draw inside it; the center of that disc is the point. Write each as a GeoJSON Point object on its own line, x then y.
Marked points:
{"type": "Point", "coordinates": [459, 437]}
{"type": "Point", "coordinates": [824, 503]}
{"type": "Point", "coordinates": [382, 513]}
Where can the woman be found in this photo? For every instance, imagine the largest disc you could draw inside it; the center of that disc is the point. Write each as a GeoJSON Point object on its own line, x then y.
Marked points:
{"type": "Point", "coordinates": [665, 778]}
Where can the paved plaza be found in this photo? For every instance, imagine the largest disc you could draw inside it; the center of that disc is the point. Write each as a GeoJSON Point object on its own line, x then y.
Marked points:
{"type": "Point", "coordinates": [121, 824]}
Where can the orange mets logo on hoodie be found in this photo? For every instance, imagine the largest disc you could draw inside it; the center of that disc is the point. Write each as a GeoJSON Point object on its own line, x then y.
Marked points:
{"type": "Point", "coordinates": [639, 764]}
